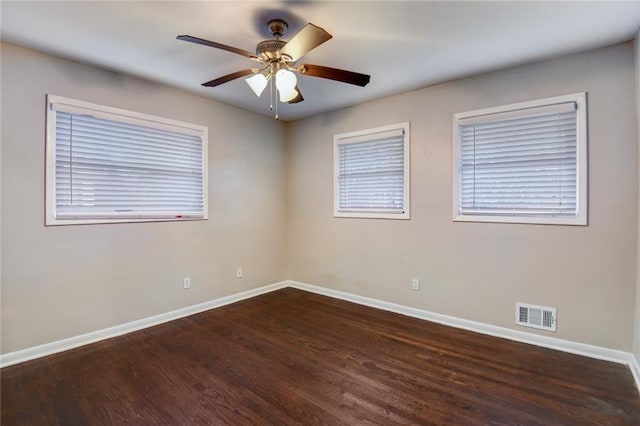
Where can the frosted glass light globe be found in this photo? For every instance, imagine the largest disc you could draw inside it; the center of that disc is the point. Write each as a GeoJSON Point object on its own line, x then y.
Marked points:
{"type": "Point", "coordinates": [286, 80]}
{"type": "Point", "coordinates": [257, 83]}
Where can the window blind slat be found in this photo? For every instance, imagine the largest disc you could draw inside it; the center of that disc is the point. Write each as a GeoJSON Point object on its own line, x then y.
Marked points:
{"type": "Point", "coordinates": [519, 164]}
{"type": "Point", "coordinates": [371, 172]}
{"type": "Point", "coordinates": [143, 137]}
{"type": "Point", "coordinates": [110, 169]}
{"type": "Point", "coordinates": [518, 112]}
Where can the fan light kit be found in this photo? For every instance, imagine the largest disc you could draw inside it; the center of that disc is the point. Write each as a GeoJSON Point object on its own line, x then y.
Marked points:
{"type": "Point", "coordinates": [278, 59]}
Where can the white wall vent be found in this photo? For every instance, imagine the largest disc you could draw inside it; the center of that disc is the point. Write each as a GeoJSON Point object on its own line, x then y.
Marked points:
{"type": "Point", "coordinates": [534, 316]}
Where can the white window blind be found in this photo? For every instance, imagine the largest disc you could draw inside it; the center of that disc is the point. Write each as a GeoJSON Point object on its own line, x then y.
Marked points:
{"type": "Point", "coordinates": [124, 166]}
{"type": "Point", "coordinates": [522, 162]}
{"type": "Point", "coordinates": [372, 173]}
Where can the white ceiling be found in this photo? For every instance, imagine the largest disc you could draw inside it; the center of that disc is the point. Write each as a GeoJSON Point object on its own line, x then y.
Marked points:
{"type": "Point", "coordinates": [402, 45]}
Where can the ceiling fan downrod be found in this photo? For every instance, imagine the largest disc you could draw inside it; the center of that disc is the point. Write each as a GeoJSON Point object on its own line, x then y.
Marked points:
{"type": "Point", "coordinates": [277, 27]}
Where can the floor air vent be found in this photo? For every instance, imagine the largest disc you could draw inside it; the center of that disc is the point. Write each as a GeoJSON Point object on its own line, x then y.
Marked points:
{"type": "Point", "coordinates": [541, 317]}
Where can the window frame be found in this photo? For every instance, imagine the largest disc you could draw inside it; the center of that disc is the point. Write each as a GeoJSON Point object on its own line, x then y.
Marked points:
{"type": "Point", "coordinates": [581, 219]}
{"type": "Point", "coordinates": [340, 139]}
{"type": "Point", "coordinates": [123, 116]}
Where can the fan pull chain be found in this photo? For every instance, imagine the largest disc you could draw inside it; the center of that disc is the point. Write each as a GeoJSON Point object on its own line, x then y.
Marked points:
{"type": "Point", "coordinates": [271, 94]}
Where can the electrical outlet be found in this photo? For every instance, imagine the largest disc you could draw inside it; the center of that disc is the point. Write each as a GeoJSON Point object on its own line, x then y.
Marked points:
{"type": "Point", "coordinates": [238, 272]}
{"type": "Point", "coordinates": [415, 284]}
{"type": "Point", "coordinates": [186, 283]}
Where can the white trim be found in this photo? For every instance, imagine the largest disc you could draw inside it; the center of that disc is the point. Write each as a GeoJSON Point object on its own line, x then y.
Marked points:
{"type": "Point", "coordinates": [634, 365]}
{"type": "Point", "coordinates": [577, 348]}
{"type": "Point", "coordinates": [364, 135]}
{"type": "Point", "coordinates": [23, 355]}
{"type": "Point", "coordinates": [519, 219]}
{"type": "Point", "coordinates": [580, 101]}
{"type": "Point", "coordinates": [516, 108]}
{"type": "Point", "coordinates": [60, 103]}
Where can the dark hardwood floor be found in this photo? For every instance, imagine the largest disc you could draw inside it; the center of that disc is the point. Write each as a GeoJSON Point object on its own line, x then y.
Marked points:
{"type": "Point", "coordinates": [292, 357]}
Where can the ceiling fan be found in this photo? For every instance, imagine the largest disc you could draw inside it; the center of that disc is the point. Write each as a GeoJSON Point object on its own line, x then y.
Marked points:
{"type": "Point", "coordinates": [278, 62]}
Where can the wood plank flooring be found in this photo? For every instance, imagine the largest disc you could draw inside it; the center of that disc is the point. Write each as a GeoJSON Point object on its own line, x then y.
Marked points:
{"type": "Point", "coordinates": [292, 357]}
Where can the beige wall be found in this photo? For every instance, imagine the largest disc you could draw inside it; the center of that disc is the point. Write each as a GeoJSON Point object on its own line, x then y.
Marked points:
{"type": "Point", "coordinates": [62, 281]}
{"type": "Point", "coordinates": [59, 282]}
{"type": "Point", "coordinates": [473, 270]}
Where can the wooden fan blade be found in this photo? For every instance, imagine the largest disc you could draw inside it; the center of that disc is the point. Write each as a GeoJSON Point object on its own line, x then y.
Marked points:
{"type": "Point", "coordinates": [298, 98]}
{"type": "Point", "coordinates": [335, 74]}
{"type": "Point", "coordinates": [231, 49]}
{"type": "Point", "coordinates": [226, 78]}
{"type": "Point", "coordinates": [308, 38]}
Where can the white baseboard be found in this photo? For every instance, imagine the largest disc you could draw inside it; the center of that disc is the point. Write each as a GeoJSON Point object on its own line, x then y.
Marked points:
{"type": "Point", "coordinates": [583, 349]}
{"type": "Point", "coordinates": [634, 365]}
{"type": "Point", "coordinates": [23, 355]}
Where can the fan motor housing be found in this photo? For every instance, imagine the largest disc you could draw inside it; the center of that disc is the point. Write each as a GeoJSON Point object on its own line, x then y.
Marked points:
{"type": "Point", "coordinates": [269, 50]}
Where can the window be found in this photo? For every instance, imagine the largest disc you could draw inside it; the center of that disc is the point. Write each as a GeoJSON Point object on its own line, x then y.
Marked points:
{"type": "Point", "coordinates": [522, 163]}
{"type": "Point", "coordinates": [371, 176]}
{"type": "Point", "coordinates": [109, 165]}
